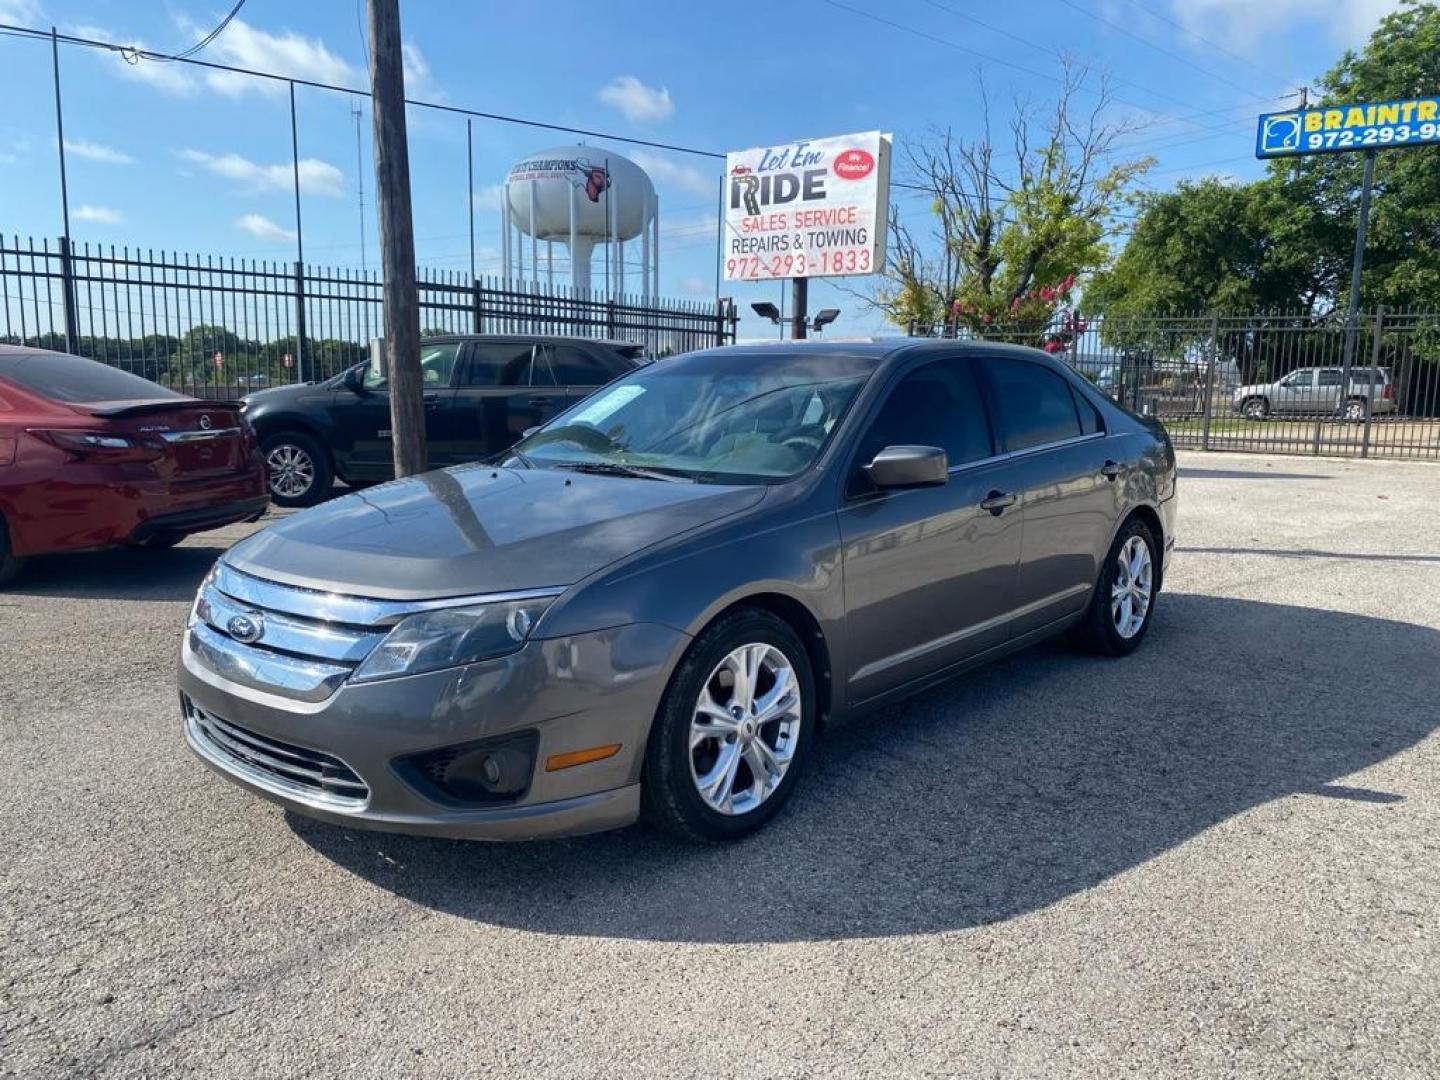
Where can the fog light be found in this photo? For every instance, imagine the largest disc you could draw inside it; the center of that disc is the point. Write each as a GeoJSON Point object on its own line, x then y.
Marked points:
{"type": "Point", "coordinates": [493, 770]}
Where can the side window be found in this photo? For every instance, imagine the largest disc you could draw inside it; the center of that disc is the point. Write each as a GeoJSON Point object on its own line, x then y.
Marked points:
{"type": "Point", "coordinates": [576, 367]}
{"type": "Point", "coordinates": [935, 405]}
{"type": "Point", "coordinates": [1300, 379]}
{"type": "Point", "coordinates": [1090, 422]}
{"type": "Point", "coordinates": [498, 363]}
{"type": "Point", "coordinates": [437, 363]}
{"type": "Point", "coordinates": [1035, 404]}
{"type": "Point", "coordinates": [1329, 376]}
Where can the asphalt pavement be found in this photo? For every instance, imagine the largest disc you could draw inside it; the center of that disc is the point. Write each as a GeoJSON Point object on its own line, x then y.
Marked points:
{"type": "Point", "coordinates": [1218, 857]}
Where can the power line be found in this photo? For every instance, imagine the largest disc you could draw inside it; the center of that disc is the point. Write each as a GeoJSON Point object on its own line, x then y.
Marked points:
{"type": "Point", "coordinates": [1052, 51]}
{"type": "Point", "coordinates": [1206, 41]}
{"type": "Point", "coordinates": [208, 38]}
{"type": "Point", "coordinates": [1157, 48]}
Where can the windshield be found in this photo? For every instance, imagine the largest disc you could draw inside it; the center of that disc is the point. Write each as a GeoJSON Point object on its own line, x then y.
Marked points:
{"type": "Point", "coordinates": [714, 417]}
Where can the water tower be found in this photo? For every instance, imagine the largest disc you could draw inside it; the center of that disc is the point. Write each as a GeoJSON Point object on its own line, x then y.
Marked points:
{"type": "Point", "coordinates": [580, 196]}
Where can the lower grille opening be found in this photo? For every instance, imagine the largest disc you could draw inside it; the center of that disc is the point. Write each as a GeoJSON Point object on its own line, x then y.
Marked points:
{"type": "Point", "coordinates": [278, 765]}
{"type": "Point", "coordinates": [494, 770]}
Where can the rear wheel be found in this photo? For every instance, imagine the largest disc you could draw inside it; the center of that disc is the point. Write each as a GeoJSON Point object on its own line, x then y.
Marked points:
{"type": "Point", "coordinates": [1255, 408]}
{"type": "Point", "coordinates": [297, 469]}
{"type": "Point", "coordinates": [1124, 602]}
{"type": "Point", "coordinates": [1355, 410]}
{"type": "Point", "coordinates": [733, 730]}
{"type": "Point", "coordinates": [10, 564]}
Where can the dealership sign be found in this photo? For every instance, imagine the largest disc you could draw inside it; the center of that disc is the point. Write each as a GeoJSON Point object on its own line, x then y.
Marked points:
{"type": "Point", "coordinates": [812, 208]}
{"type": "Point", "coordinates": [1337, 128]}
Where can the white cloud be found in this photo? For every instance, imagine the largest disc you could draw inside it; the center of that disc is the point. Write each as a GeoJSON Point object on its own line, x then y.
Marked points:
{"type": "Point", "coordinates": [316, 177]}
{"type": "Point", "coordinates": [20, 12]}
{"type": "Point", "coordinates": [97, 152]}
{"type": "Point", "coordinates": [667, 171]}
{"type": "Point", "coordinates": [1245, 22]}
{"type": "Point", "coordinates": [286, 53]}
{"type": "Point", "coordinates": [262, 228]}
{"type": "Point", "coordinates": [636, 100]}
{"type": "Point", "coordinates": [490, 197]}
{"type": "Point", "coordinates": [420, 84]}
{"type": "Point", "coordinates": [695, 286]}
{"type": "Point", "coordinates": [100, 215]}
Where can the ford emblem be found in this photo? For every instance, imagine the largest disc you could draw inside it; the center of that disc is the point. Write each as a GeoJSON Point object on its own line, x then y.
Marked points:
{"type": "Point", "coordinates": [246, 628]}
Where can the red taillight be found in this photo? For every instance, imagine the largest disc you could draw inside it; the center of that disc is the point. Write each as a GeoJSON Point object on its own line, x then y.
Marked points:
{"type": "Point", "coordinates": [99, 445]}
{"type": "Point", "coordinates": [1388, 393]}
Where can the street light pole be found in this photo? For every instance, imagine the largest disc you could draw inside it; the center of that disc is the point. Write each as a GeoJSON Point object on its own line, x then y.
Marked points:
{"type": "Point", "coordinates": [397, 237]}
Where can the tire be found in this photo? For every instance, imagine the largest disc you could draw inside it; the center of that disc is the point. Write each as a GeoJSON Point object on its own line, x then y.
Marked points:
{"type": "Point", "coordinates": [1353, 410]}
{"type": "Point", "coordinates": [1256, 408]}
{"type": "Point", "coordinates": [291, 458]}
{"type": "Point", "coordinates": [671, 796]}
{"type": "Point", "coordinates": [1101, 631]}
{"type": "Point", "coordinates": [10, 564]}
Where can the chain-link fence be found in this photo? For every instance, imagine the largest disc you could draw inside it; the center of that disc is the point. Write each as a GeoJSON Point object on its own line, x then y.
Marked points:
{"type": "Point", "coordinates": [222, 327]}
{"type": "Point", "coordinates": [1276, 383]}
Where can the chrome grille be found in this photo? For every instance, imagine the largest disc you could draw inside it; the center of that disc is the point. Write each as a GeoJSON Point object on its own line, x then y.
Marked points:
{"type": "Point", "coordinates": [306, 642]}
{"type": "Point", "coordinates": [276, 765]}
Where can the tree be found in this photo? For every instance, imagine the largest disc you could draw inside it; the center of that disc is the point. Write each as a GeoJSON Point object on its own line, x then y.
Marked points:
{"type": "Point", "coordinates": [1011, 232]}
{"type": "Point", "coordinates": [1285, 241]}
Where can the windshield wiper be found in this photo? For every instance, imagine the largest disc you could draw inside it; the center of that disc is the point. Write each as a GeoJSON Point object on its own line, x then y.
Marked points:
{"type": "Point", "coordinates": [615, 468]}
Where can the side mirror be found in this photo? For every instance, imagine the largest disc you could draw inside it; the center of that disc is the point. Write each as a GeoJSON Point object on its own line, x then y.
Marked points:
{"type": "Point", "coordinates": [355, 380]}
{"type": "Point", "coordinates": [908, 466]}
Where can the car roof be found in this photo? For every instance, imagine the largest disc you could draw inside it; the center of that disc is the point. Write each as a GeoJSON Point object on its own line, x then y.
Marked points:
{"type": "Point", "coordinates": [17, 351]}
{"type": "Point", "coordinates": [612, 342]}
{"type": "Point", "coordinates": [891, 348]}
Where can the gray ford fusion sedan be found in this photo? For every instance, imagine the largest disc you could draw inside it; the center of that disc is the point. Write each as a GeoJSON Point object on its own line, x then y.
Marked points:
{"type": "Point", "coordinates": [652, 605]}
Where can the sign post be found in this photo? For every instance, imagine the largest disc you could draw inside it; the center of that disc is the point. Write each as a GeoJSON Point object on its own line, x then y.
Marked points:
{"type": "Point", "coordinates": [807, 209]}
{"type": "Point", "coordinates": [1337, 129]}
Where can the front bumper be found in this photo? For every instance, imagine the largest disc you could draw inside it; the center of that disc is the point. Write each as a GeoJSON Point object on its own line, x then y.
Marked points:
{"type": "Point", "coordinates": [576, 692]}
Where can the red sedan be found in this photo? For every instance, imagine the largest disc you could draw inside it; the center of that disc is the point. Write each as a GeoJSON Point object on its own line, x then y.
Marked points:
{"type": "Point", "coordinates": [93, 457]}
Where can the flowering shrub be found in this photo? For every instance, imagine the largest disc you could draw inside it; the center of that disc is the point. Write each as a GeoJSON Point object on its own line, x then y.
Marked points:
{"type": "Point", "coordinates": [1037, 316]}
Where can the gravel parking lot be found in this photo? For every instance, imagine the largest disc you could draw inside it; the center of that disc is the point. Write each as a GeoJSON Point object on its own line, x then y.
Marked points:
{"type": "Point", "coordinates": [1219, 857]}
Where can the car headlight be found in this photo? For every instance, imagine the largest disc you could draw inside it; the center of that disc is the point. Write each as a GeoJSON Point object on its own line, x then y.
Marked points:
{"type": "Point", "coordinates": [450, 637]}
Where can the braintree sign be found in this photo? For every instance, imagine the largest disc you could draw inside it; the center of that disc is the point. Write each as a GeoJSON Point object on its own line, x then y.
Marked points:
{"type": "Point", "coordinates": [1337, 128]}
{"type": "Point", "coordinates": [813, 208]}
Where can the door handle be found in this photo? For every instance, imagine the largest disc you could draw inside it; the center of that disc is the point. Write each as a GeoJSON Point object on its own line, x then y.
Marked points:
{"type": "Point", "coordinates": [997, 502]}
{"type": "Point", "coordinates": [1110, 470]}
{"type": "Point", "coordinates": [540, 402]}
{"type": "Point", "coordinates": [430, 399]}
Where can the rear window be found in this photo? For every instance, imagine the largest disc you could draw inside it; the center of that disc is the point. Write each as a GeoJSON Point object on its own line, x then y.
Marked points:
{"type": "Point", "coordinates": [75, 380]}
{"type": "Point", "coordinates": [1036, 406]}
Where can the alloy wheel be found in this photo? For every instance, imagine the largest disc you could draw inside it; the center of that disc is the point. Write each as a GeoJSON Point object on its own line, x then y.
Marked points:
{"type": "Point", "coordinates": [1130, 594]}
{"type": "Point", "coordinates": [745, 729]}
{"type": "Point", "coordinates": [1354, 410]}
{"type": "Point", "coordinates": [292, 472]}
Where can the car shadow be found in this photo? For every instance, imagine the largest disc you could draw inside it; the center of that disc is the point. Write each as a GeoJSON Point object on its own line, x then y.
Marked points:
{"type": "Point", "coordinates": [995, 795]}
{"type": "Point", "coordinates": [121, 573]}
{"type": "Point", "coordinates": [1190, 473]}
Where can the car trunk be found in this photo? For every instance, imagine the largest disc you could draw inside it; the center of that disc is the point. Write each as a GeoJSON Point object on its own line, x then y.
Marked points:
{"type": "Point", "coordinates": [201, 439]}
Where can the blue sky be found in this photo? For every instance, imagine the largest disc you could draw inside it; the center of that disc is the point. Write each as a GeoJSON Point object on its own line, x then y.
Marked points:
{"type": "Point", "coordinates": [167, 156]}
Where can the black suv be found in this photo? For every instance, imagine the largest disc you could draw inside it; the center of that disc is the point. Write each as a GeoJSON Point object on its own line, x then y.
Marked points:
{"type": "Point", "coordinates": [481, 393]}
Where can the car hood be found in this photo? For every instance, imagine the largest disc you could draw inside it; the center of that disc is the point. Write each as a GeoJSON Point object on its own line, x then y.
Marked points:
{"type": "Point", "coordinates": [1250, 388]}
{"type": "Point", "coordinates": [278, 395]}
{"type": "Point", "coordinates": [479, 529]}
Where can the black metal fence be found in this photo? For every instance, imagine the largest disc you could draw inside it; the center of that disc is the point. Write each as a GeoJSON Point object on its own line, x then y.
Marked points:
{"type": "Point", "coordinates": [221, 327]}
{"type": "Point", "coordinates": [1275, 383]}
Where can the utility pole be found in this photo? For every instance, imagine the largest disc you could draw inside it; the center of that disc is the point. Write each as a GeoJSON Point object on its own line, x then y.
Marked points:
{"type": "Point", "coordinates": [397, 237]}
{"type": "Point", "coordinates": [799, 303]}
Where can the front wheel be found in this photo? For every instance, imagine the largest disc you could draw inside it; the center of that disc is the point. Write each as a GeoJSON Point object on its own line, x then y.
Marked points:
{"type": "Point", "coordinates": [1255, 409]}
{"type": "Point", "coordinates": [732, 731]}
{"type": "Point", "coordinates": [1124, 601]}
{"type": "Point", "coordinates": [297, 469]}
